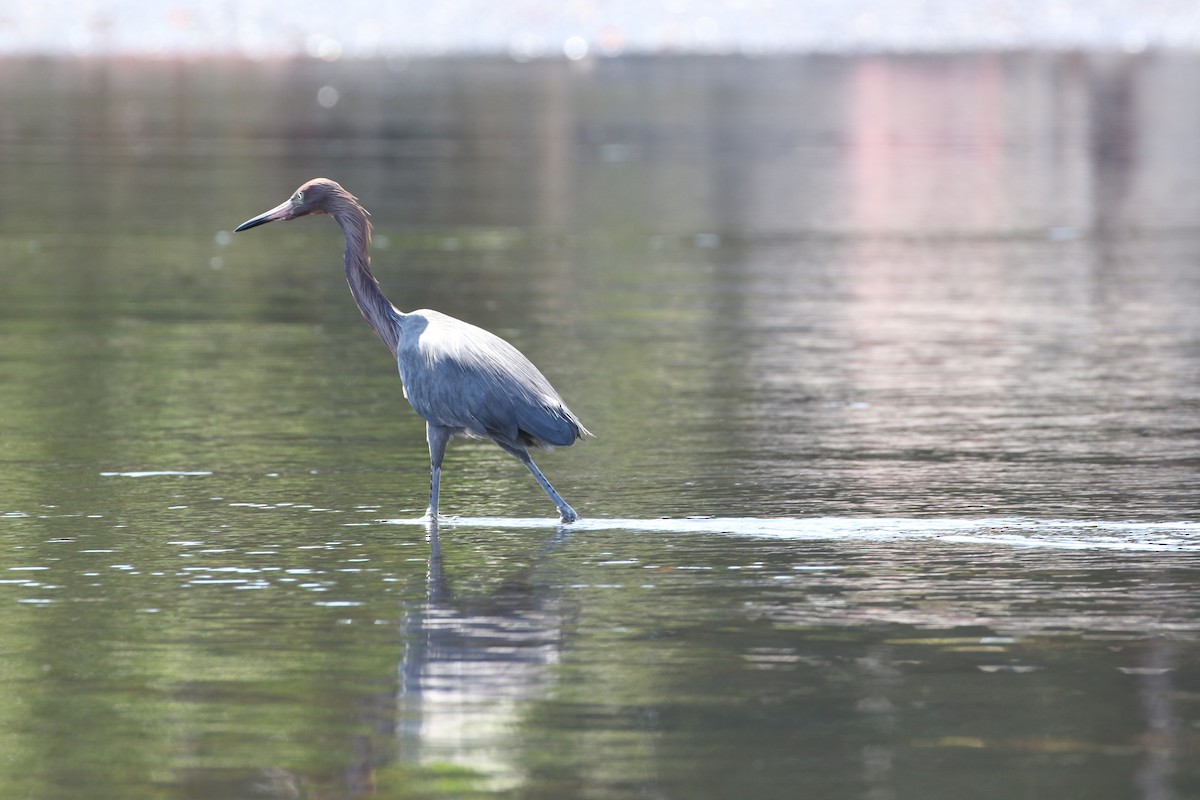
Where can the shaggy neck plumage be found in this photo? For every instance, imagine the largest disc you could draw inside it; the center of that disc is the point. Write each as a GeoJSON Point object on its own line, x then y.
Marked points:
{"type": "Point", "coordinates": [375, 307]}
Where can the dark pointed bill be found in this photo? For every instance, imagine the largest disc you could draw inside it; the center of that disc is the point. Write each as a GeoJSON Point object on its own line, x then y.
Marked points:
{"type": "Point", "coordinates": [280, 211]}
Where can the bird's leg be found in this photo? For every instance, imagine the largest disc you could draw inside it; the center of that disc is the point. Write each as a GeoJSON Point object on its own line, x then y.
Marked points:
{"type": "Point", "coordinates": [435, 480]}
{"type": "Point", "coordinates": [565, 511]}
{"type": "Point", "coordinates": [437, 437]}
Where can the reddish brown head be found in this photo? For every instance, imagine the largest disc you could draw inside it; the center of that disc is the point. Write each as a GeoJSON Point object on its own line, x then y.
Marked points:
{"type": "Point", "coordinates": [318, 196]}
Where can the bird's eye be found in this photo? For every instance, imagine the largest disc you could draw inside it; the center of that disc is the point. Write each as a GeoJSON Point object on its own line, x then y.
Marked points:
{"type": "Point", "coordinates": [299, 198]}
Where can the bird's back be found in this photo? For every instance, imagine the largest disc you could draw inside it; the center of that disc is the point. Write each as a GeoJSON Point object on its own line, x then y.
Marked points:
{"type": "Point", "coordinates": [462, 377]}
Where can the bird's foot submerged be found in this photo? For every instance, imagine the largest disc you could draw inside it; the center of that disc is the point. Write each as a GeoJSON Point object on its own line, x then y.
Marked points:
{"type": "Point", "coordinates": [436, 517]}
{"type": "Point", "coordinates": [565, 516]}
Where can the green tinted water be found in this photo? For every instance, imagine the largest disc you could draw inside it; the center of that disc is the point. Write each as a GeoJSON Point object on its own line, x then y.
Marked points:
{"type": "Point", "coordinates": [883, 318]}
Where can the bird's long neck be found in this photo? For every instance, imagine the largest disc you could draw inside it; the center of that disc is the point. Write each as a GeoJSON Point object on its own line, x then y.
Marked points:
{"type": "Point", "coordinates": [375, 307]}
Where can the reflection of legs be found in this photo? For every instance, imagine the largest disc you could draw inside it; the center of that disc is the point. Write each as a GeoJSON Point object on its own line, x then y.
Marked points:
{"type": "Point", "coordinates": [437, 437]}
{"type": "Point", "coordinates": [565, 511]}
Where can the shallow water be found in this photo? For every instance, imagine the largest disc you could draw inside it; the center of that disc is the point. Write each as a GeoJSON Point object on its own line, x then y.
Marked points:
{"type": "Point", "coordinates": [892, 365]}
{"type": "Point", "coordinates": [1037, 533]}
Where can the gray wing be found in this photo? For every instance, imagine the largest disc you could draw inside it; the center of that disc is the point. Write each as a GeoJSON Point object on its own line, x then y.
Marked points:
{"type": "Point", "coordinates": [462, 377]}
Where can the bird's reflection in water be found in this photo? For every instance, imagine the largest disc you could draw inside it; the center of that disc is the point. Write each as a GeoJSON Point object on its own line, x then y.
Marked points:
{"type": "Point", "coordinates": [469, 665]}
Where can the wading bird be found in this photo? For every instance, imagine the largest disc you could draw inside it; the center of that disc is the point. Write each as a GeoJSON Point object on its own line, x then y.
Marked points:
{"type": "Point", "coordinates": [460, 378]}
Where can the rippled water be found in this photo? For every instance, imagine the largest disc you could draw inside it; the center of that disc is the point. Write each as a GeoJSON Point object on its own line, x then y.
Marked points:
{"type": "Point", "coordinates": [893, 369]}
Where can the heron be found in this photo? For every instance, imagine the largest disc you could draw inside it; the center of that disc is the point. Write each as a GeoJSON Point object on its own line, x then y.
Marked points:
{"type": "Point", "coordinates": [463, 380]}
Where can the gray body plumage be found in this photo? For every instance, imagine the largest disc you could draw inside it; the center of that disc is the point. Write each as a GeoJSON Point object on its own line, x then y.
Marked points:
{"type": "Point", "coordinates": [461, 379]}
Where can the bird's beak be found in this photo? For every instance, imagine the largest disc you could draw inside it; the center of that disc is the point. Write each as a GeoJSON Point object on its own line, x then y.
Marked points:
{"type": "Point", "coordinates": [281, 211]}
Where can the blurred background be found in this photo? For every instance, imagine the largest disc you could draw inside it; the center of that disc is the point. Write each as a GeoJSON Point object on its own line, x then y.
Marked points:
{"type": "Point", "coordinates": [884, 315]}
{"type": "Point", "coordinates": [530, 28]}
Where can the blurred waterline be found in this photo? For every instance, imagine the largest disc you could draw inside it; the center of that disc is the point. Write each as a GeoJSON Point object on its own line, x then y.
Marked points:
{"type": "Point", "coordinates": [531, 30]}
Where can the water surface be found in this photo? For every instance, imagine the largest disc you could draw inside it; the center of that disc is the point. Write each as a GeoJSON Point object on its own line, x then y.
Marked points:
{"type": "Point", "coordinates": [892, 364]}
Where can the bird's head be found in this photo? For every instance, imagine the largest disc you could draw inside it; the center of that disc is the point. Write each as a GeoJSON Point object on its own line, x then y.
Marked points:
{"type": "Point", "coordinates": [318, 196]}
